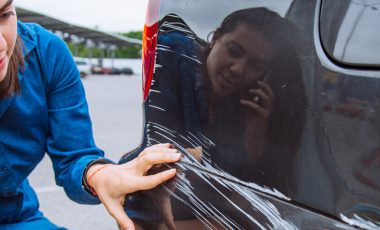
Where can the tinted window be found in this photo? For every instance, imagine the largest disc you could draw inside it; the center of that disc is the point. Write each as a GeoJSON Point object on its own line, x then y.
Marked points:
{"type": "Point", "coordinates": [351, 35]}
{"type": "Point", "coordinates": [81, 63]}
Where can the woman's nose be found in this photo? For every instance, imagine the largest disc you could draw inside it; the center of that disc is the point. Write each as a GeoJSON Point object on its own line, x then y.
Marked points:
{"type": "Point", "coordinates": [239, 67]}
{"type": "Point", "coordinates": [3, 43]}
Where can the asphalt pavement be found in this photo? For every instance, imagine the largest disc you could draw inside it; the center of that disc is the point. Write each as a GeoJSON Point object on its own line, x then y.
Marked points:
{"type": "Point", "coordinates": [115, 104]}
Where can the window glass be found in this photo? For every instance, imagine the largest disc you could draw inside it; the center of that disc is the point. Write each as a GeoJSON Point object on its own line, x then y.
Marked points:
{"type": "Point", "coordinates": [351, 35]}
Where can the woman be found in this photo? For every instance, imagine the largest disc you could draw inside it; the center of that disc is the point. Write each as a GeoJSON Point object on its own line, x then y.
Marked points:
{"type": "Point", "coordinates": [244, 91]}
{"type": "Point", "coordinates": [43, 109]}
{"type": "Point", "coordinates": [257, 54]}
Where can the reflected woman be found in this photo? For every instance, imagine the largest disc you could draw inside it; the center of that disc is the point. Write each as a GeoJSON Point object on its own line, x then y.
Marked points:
{"type": "Point", "coordinates": [243, 90]}
{"type": "Point", "coordinates": [240, 97]}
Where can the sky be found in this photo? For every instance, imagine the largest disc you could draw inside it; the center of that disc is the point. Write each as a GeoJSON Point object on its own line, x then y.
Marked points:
{"type": "Point", "coordinates": [109, 16]}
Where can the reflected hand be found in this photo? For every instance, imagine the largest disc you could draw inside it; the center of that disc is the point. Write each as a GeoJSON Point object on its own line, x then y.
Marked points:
{"type": "Point", "coordinates": [261, 102]}
{"type": "Point", "coordinates": [161, 199]}
{"type": "Point", "coordinates": [256, 118]}
{"type": "Point", "coordinates": [114, 182]}
{"type": "Point", "coordinates": [161, 194]}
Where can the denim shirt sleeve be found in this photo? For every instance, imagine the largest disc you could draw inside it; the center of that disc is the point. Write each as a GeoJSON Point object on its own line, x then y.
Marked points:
{"type": "Point", "coordinates": [70, 143]}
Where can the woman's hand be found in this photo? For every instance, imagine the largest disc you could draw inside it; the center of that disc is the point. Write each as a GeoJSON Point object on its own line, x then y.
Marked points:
{"type": "Point", "coordinates": [113, 182]}
{"type": "Point", "coordinates": [261, 102]}
{"type": "Point", "coordinates": [256, 118]}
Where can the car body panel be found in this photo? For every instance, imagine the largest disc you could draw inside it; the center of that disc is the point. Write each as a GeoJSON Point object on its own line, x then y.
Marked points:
{"type": "Point", "coordinates": [328, 178]}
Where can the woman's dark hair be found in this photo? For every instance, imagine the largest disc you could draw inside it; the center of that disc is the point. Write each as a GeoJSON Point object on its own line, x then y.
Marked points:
{"type": "Point", "coordinates": [289, 109]}
{"type": "Point", "coordinates": [10, 85]}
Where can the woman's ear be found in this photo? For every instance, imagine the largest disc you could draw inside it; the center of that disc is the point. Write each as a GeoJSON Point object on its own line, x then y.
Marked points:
{"type": "Point", "coordinates": [212, 43]}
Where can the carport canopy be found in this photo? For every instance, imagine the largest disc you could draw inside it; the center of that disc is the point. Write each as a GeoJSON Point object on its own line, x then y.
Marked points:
{"type": "Point", "coordinates": [74, 33]}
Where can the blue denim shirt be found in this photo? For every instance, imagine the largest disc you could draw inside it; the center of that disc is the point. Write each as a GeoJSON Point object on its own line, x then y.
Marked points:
{"type": "Point", "coordinates": [49, 115]}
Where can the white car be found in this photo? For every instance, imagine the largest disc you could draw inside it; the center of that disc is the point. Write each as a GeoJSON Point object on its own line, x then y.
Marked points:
{"type": "Point", "coordinates": [83, 66]}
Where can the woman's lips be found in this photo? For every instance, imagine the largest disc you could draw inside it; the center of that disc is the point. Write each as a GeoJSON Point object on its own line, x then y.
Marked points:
{"type": "Point", "coordinates": [227, 82]}
{"type": "Point", "coordinates": [2, 63]}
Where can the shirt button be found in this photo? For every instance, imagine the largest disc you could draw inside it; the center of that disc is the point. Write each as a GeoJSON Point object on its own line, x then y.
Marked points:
{"type": "Point", "coordinates": [5, 170]}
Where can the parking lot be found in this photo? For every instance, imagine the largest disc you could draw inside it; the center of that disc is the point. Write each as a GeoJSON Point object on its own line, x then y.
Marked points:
{"type": "Point", "coordinates": [115, 104]}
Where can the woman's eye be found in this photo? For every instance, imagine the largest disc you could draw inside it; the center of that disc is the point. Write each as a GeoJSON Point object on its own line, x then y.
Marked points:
{"type": "Point", "coordinates": [6, 15]}
{"type": "Point", "coordinates": [233, 50]}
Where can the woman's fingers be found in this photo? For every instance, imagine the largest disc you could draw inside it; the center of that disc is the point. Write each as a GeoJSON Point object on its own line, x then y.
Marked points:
{"type": "Point", "coordinates": [262, 96]}
{"type": "Point", "coordinates": [161, 156]}
{"type": "Point", "coordinates": [119, 180]}
{"type": "Point", "coordinates": [266, 88]}
{"type": "Point", "coordinates": [116, 210]}
{"type": "Point", "coordinates": [151, 181]}
{"type": "Point", "coordinates": [262, 112]}
{"type": "Point", "coordinates": [157, 156]}
{"type": "Point", "coordinates": [157, 147]}
{"type": "Point", "coordinates": [262, 99]}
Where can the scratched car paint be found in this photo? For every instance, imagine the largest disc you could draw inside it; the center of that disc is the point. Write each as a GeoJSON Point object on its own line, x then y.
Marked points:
{"type": "Point", "coordinates": [312, 163]}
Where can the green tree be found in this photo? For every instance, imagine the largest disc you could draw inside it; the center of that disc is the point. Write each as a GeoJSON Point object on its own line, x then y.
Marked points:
{"type": "Point", "coordinates": [132, 51]}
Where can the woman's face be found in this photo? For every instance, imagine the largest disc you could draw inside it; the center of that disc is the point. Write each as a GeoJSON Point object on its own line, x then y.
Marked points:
{"type": "Point", "coordinates": [237, 60]}
{"type": "Point", "coordinates": [8, 34]}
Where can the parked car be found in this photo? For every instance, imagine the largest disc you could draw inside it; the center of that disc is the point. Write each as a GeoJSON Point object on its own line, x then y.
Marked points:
{"type": "Point", "coordinates": [83, 65]}
{"type": "Point", "coordinates": [115, 71]}
{"type": "Point", "coordinates": [103, 70]}
{"type": "Point", "coordinates": [123, 71]}
{"type": "Point", "coordinates": [96, 69]}
{"type": "Point", "coordinates": [126, 71]}
{"type": "Point", "coordinates": [275, 108]}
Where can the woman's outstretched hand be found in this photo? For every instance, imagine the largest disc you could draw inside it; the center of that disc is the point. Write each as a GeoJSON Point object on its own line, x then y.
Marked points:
{"type": "Point", "coordinates": [113, 182]}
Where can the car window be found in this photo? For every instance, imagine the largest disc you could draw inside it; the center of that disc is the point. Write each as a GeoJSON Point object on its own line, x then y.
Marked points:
{"type": "Point", "coordinates": [350, 31]}
{"type": "Point", "coordinates": [81, 63]}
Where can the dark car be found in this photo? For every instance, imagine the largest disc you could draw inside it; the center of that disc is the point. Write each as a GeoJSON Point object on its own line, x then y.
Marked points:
{"type": "Point", "coordinates": [126, 71]}
{"type": "Point", "coordinates": [275, 108]}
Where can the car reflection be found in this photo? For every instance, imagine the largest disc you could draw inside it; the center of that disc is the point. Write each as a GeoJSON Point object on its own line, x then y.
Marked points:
{"type": "Point", "coordinates": [231, 106]}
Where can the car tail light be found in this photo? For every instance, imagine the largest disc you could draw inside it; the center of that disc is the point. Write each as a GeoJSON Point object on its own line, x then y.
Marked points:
{"type": "Point", "coordinates": [149, 44]}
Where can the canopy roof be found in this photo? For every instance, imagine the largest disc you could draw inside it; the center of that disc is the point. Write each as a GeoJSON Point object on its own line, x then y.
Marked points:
{"type": "Point", "coordinates": [76, 33]}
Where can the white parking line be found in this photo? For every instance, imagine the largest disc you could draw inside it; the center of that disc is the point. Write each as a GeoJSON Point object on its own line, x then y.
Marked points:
{"type": "Point", "coordinates": [48, 189]}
